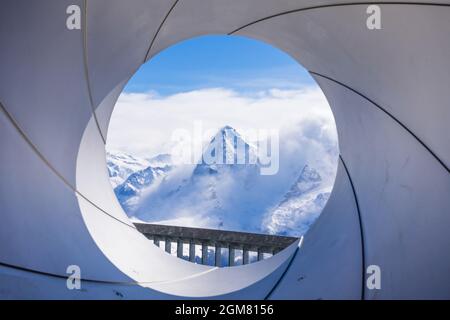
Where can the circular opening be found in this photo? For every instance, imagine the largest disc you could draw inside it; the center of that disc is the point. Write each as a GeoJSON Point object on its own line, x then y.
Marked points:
{"type": "Point", "coordinates": [222, 133]}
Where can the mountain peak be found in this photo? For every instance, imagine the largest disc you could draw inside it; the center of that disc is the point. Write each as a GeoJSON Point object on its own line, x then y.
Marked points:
{"type": "Point", "coordinates": [228, 133]}
{"type": "Point", "coordinates": [228, 147]}
{"type": "Point", "coordinates": [227, 127]}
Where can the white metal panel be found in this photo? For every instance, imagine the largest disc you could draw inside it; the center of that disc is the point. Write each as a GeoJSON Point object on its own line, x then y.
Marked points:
{"type": "Point", "coordinates": [403, 198]}
{"type": "Point", "coordinates": [118, 35]}
{"type": "Point", "coordinates": [41, 225]}
{"type": "Point", "coordinates": [43, 83]}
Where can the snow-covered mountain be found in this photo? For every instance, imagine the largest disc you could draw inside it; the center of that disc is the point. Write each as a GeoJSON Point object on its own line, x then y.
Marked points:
{"type": "Point", "coordinates": [226, 151]}
{"type": "Point", "coordinates": [129, 190]}
{"type": "Point", "coordinates": [121, 166]}
{"type": "Point", "coordinates": [224, 190]}
{"type": "Point", "coordinates": [132, 187]}
{"type": "Point", "coordinates": [210, 193]}
{"type": "Point", "coordinates": [300, 207]}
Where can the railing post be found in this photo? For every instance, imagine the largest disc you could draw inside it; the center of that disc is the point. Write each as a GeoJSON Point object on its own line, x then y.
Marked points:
{"type": "Point", "coordinates": [204, 253]}
{"type": "Point", "coordinates": [219, 239]}
{"type": "Point", "coordinates": [245, 256]}
{"type": "Point", "coordinates": [191, 251]}
{"type": "Point", "coordinates": [231, 254]}
{"type": "Point", "coordinates": [260, 254]}
{"type": "Point", "coordinates": [168, 246]}
{"type": "Point", "coordinates": [179, 248]}
{"type": "Point", "coordinates": [218, 255]}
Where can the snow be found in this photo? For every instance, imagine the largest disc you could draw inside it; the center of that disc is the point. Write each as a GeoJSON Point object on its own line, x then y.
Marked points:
{"type": "Point", "coordinates": [121, 166]}
{"type": "Point", "coordinates": [218, 193]}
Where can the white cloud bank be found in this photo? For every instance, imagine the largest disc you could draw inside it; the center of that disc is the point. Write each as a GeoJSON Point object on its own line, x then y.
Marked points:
{"type": "Point", "coordinates": [142, 123]}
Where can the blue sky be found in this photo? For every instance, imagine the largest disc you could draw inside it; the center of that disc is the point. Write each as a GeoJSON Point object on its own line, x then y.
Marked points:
{"type": "Point", "coordinates": [242, 64]}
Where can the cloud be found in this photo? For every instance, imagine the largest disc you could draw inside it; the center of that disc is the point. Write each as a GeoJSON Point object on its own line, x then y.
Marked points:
{"type": "Point", "coordinates": [142, 123]}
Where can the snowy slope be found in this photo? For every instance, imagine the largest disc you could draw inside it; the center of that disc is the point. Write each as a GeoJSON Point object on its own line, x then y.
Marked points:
{"type": "Point", "coordinates": [129, 190]}
{"type": "Point", "coordinates": [300, 207]}
{"type": "Point", "coordinates": [121, 166]}
{"type": "Point", "coordinates": [219, 193]}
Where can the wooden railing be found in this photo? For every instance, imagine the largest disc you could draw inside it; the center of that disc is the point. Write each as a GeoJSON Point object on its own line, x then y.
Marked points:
{"type": "Point", "coordinates": [260, 244]}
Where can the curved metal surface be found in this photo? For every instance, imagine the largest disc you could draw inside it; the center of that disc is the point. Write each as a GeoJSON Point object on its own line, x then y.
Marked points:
{"type": "Point", "coordinates": [58, 89]}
